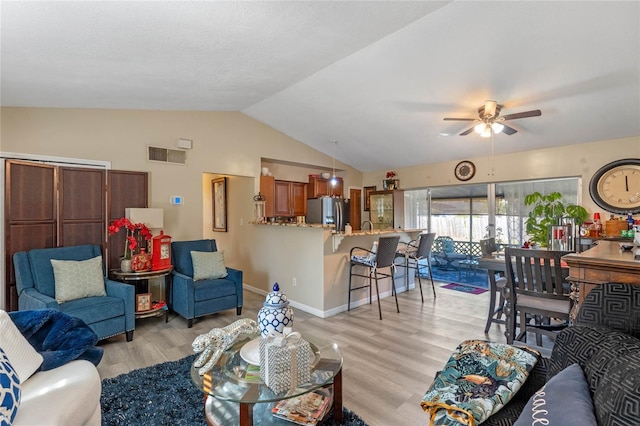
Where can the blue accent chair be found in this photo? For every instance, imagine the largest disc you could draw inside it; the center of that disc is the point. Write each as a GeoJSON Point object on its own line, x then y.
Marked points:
{"type": "Point", "coordinates": [107, 316]}
{"type": "Point", "coordinates": [192, 299]}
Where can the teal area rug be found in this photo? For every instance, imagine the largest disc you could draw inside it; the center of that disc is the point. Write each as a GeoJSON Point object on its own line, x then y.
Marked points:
{"type": "Point", "coordinates": [464, 288]}
{"type": "Point", "coordinates": [477, 278]}
{"type": "Point", "coordinates": [163, 394]}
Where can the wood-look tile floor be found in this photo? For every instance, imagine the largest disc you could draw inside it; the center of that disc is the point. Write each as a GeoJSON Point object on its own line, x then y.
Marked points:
{"type": "Point", "coordinates": [388, 364]}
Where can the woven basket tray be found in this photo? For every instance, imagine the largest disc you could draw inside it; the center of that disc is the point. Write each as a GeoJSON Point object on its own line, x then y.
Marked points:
{"type": "Point", "coordinates": [612, 228]}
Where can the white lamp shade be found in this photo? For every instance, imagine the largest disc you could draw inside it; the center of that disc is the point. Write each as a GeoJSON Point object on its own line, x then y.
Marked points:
{"type": "Point", "coordinates": [152, 218]}
{"type": "Point", "coordinates": [497, 127]}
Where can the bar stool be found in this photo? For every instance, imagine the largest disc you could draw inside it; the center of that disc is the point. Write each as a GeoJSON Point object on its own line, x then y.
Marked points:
{"type": "Point", "coordinates": [415, 251]}
{"type": "Point", "coordinates": [374, 261]}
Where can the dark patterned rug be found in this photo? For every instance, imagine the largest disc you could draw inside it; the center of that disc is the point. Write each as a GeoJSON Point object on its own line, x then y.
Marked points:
{"type": "Point", "coordinates": [163, 394]}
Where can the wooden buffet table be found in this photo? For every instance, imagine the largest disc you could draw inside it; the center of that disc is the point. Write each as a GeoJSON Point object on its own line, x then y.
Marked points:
{"type": "Point", "coordinates": [606, 262]}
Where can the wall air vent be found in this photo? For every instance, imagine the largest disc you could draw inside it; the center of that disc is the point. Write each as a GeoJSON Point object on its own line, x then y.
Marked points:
{"type": "Point", "coordinates": [165, 155]}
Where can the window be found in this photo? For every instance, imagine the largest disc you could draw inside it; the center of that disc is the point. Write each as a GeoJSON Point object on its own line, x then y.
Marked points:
{"type": "Point", "coordinates": [463, 212]}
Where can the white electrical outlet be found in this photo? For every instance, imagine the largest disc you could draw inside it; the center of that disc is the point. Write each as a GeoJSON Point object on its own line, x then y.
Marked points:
{"type": "Point", "coordinates": [295, 282]}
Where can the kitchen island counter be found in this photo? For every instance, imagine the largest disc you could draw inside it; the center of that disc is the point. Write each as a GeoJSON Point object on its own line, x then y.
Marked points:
{"type": "Point", "coordinates": [311, 265]}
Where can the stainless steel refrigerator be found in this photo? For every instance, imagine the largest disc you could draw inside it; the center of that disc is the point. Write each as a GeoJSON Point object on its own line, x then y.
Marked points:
{"type": "Point", "coordinates": [328, 211]}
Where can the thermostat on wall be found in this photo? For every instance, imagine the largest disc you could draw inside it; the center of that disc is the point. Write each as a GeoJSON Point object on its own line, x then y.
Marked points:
{"type": "Point", "coordinates": [176, 200]}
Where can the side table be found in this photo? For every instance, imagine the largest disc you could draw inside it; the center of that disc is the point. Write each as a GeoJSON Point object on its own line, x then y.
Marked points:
{"type": "Point", "coordinates": [137, 277]}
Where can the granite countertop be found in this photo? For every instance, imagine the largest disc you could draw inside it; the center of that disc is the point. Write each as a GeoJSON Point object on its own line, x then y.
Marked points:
{"type": "Point", "coordinates": [295, 225]}
{"type": "Point", "coordinates": [377, 232]}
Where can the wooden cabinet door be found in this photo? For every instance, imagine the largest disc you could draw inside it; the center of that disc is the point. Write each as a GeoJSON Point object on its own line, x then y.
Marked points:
{"type": "Point", "coordinates": [338, 189]}
{"type": "Point", "coordinates": [125, 189]}
{"type": "Point", "coordinates": [81, 207]}
{"type": "Point", "coordinates": [282, 206]}
{"type": "Point", "coordinates": [317, 187]}
{"type": "Point", "coordinates": [268, 191]}
{"type": "Point", "coordinates": [30, 207]}
{"type": "Point", "coordinates": [299, 198]}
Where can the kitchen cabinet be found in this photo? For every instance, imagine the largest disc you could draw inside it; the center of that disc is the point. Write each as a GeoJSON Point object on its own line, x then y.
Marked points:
{"type": "Point", "coordinates": [267, 190]}
{"type": "Point", "coordinates": [386, 209]}
{"type": "Point", "coordinates": [320, 187]}
{"type": "Point", "coordinates": [290, 198]}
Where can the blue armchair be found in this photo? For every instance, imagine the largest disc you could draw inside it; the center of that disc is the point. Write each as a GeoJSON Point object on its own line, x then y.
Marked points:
{"type": "Point", "coordinates": [107, 316]}
{"type": "Point", "coordinates": [192, 299]}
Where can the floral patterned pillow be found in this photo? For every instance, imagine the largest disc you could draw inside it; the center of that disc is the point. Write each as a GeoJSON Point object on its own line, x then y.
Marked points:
{"type": "Point", "coordinates": [477, 381]}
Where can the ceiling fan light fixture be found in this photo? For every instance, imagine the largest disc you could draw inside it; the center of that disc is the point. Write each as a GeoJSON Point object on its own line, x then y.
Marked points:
{"type": "Point", "coordinates": [486, 133]}
{"type": "Point", "coordinates": [479, 128]}
{"type": "Point", "coordinates": [490, 108]}
{"type": "Point", "coordinates": [497, 127]}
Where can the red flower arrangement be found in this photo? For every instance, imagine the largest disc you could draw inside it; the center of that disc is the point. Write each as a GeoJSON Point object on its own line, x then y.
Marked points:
{"type": "Point", "coordinates": [134, 230]}
{"type": "Point", "coordinates": [391, 174]}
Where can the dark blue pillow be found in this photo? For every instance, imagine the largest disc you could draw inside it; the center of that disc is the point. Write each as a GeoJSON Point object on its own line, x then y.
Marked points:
{"type": "Point", "coordinates": [10, 391]}
{"type": "Point", "coordinates": [564, 400]}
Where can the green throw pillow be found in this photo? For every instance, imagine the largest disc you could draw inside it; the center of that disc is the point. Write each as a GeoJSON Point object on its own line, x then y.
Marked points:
{"type": "Point", "coordinates": [208, 265]}
{"type": "Point", "coordinates": [76, 279]}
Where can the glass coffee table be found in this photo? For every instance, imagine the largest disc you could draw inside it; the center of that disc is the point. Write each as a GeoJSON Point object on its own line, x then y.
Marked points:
{"type": "Point", "coordinates": [235, 395]}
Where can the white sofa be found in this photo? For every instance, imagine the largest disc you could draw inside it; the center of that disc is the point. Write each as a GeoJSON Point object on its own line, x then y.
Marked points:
{"type": "Point", "coordinates": [68, 395]}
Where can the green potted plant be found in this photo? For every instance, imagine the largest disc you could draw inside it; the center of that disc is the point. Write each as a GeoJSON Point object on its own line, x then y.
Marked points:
{"type": "Point", "coordinates": [548, 210]}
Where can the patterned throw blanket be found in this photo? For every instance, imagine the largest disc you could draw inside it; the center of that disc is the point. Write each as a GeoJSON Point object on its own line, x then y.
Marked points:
{"type": "Point", "coordinates": [477, 381]}
{"type": "Point", "coordinates": [58, 337]}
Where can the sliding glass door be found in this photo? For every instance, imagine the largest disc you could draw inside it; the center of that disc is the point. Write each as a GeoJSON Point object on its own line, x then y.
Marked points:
{"type": "Point", "coordinates": [469, 213]}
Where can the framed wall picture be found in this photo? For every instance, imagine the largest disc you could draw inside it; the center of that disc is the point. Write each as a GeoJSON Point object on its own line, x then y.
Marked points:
{"type": "Point", "coordinates": [143, 302]}
{"type": "Point", "coordinates": [367, 190]}
{"type": "Point", "coordinates": [219, 187]}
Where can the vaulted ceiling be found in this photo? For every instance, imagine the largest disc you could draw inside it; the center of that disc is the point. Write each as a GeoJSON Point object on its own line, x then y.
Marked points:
{"type": "Point", "coordinates": [378, 77]}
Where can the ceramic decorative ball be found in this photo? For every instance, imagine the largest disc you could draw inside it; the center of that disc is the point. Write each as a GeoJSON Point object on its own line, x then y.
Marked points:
{"type": "Point", "coordinates": [276, 314]}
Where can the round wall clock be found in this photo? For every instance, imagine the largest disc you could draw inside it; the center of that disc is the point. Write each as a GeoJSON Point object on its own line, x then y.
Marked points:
{"type": "Point", "coordinates": [616, 186]}
{"type": "Point", "coordinates": [465, 170]}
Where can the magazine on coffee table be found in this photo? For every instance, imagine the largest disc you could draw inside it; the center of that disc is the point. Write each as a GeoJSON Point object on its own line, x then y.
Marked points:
{"type": "Point", "coordinates": [307, 409]}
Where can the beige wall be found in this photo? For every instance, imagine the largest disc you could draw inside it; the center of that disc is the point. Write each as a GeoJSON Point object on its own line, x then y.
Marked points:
{"type": "Point", "coordinates": [224, 144]}
{"type": "Point", "coordinates": [568, 161]}
{"type": "Point", "coordinates": [233, 144]}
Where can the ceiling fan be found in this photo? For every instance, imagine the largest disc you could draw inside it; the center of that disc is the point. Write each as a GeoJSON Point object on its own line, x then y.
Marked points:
{"type": "Point", "coordinates": [490, 120]}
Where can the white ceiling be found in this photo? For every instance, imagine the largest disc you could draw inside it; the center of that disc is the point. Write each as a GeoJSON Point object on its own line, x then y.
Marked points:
{"type": "Point", "coordinates": [378, 77]}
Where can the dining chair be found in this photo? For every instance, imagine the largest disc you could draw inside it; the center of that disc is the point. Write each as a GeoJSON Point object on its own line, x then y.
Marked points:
{"type": "Point", "coordinates": [374, 260]}
{"type": "Point", "coordinates": [488, 247]}
{"type": "Point", "coordinates": [535, 290]}
{"type": "Point", "coordinates": [416, 251]}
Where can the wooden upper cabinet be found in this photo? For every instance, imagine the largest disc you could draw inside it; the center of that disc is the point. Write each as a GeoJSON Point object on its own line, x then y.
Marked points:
{"type": "Point", "coordinates": [338, 189]}
{"type": "Point", "coordinates": [299, 198]}
{"type": "Point", "coordinates": [320, 187]}
{"type": "Point", "coordinates": [282, 206]}
{"type": "Point", "coordinates": [290, 198]}
{"type": "Point", "coordinates": [268, 191]}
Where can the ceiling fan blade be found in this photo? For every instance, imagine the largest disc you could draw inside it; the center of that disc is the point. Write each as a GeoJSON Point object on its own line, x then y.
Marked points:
{"type": "Point", "coordinates": [508, 130]}
{"type": "Point", "coordinates": [459, 119]}
{"type": "Point", "coordinates": [466, 132]}
{"type": "Point", "coordinates": [534, 113]}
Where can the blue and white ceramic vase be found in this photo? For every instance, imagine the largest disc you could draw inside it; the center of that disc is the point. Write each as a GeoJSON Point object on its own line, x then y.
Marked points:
{"type": "Point", "coordinates": [276, 314]}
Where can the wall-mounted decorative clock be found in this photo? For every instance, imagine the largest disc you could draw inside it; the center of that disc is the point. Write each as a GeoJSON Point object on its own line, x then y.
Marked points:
{"type": "Point", "coordinates": [465, 170]}
{"type": "Point", "coordinates": [616, 186]}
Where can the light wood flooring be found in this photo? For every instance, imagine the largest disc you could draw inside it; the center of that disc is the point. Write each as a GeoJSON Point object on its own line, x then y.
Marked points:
{"type": "Point", "coordinates": [388, 364]}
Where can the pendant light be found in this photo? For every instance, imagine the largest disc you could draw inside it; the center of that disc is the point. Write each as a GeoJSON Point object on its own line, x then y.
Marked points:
{"type": "Point", "coordinates": [334, 180]}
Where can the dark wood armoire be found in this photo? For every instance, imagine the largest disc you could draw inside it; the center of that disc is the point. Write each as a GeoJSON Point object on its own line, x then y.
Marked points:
{"type": "Point", "coordinates": [48, 205]}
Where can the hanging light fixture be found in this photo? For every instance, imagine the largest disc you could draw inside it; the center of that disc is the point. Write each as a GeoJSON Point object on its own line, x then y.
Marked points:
{"type": "Point", "coordinates": [485, 129]}
{"type": "Point", "coordinates": [334, 180]}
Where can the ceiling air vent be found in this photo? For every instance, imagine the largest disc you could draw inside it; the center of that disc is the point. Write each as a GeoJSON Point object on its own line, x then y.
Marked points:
{"type": "Point", "coordinates": [164, 155]}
